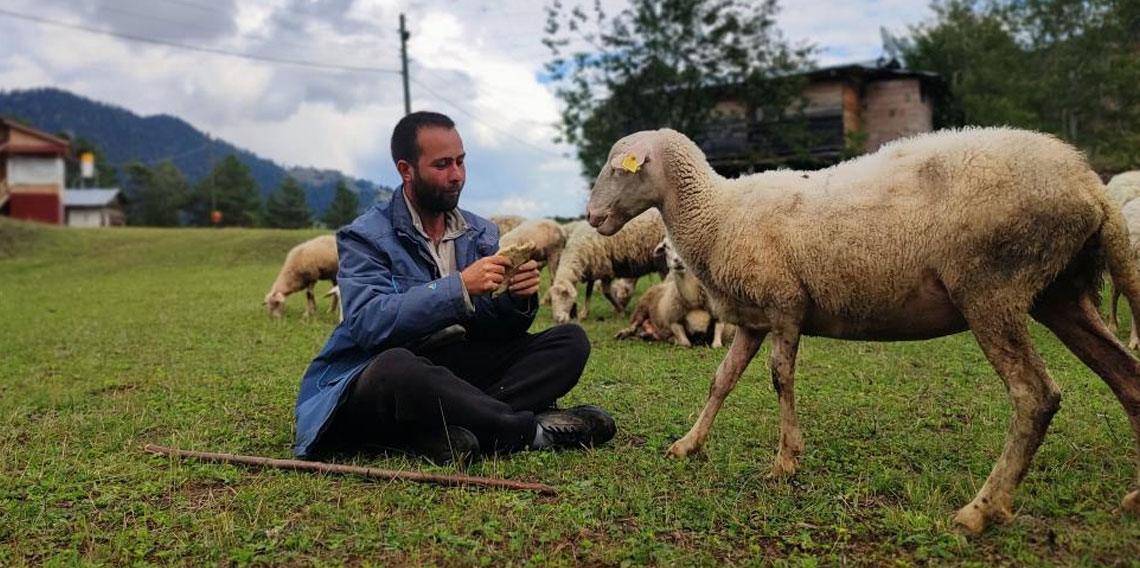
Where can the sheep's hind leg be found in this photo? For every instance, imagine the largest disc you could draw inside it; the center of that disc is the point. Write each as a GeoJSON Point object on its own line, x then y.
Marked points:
{"type": "Point", "coordinates": [1004, 338]}
{"type": "Point", "coordinates": [1113, 321]}
{"type": "Point", "coordinates": [735, 361]}
{"type": "Point", "coordinates": [1078, 325]}
{"type": "Point", "coordinates": [785, 346]}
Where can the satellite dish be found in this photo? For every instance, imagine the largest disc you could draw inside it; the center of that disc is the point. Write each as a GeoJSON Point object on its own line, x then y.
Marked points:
{"type": "Point", "coordinates": [892, 49]}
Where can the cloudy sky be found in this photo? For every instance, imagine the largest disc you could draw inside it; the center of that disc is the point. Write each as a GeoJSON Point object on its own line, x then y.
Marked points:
{"type": "Point", "coordinates": [478, 64]}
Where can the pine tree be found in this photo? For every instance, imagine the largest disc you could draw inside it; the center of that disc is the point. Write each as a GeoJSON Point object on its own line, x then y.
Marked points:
{"type": "Point", "coordinates": [232, 190]}
{"type": "Point", "coordinates": [286, 208]}
{"type": "Point", "coordinates": [344, 207]}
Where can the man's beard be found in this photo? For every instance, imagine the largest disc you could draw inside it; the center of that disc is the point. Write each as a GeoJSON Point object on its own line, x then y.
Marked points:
{"type": "Point", "coordinates": [435, 198]}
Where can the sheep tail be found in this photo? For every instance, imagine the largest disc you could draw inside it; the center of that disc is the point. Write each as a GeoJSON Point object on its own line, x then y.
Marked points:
{"type": "Point", "coordinates": [1122, 266]}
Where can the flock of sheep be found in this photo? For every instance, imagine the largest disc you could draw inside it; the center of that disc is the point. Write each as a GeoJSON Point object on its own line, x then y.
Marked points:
{"type": "Point", "coordinates": [673, 310]}
{"type": "Point", "coordinates": [963, 230]}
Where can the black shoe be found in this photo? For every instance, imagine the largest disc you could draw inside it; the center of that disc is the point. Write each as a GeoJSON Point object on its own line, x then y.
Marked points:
{"type": "Point", "coordinates": [583, 426]}
{"type": "Point", "coordinates": [452, 444]}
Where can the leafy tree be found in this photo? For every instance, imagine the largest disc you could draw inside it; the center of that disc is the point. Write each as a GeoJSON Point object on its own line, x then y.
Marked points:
{"type": "Point", "coordinates": [230, 189]}
{"type": "Point", "coordinates": [286, 208]}
{"type": "Point", "coordinates": [667, 64]}
{"type": "Point", "coordinates": [1069, 67]}
{"type": "Point", "coordinates": [344, 207]}
{"type": "Point", "coordinates": [155, 196]}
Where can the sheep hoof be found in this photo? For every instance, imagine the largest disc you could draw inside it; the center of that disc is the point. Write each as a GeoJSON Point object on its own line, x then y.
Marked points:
{"type": "Point", "coordinates": [970, 520]}
{"type": "Point", "coordinates": [1112, 328]}
{"type": "Point", "coordinates": [1131, 503]}
{"type": "Point", "coordinates": [974, 517]}
{"type": "Point", "coordinates": [1134, 344]}
{"type": "Point", "coordinates": [782, 468]}
{"type": "Point", "coordinates": [680, 449]}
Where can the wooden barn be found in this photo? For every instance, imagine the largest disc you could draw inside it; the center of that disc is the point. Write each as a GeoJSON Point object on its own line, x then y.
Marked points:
{"type": "Point", "coordinates": [31, 173]}
{"type": "Point", "coordinates": [850, 109]}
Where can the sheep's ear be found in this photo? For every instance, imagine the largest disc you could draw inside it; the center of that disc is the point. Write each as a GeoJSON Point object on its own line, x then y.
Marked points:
{"type": "Point", "coordinates": [632, 159]}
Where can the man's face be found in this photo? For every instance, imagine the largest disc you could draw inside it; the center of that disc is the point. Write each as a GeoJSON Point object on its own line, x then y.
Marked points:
{"type": "Point", "coordinates": [439, 173]}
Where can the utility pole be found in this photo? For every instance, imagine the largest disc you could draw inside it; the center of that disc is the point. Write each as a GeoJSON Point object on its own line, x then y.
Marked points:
{"type": "Point", "coordinates": [404, 35]}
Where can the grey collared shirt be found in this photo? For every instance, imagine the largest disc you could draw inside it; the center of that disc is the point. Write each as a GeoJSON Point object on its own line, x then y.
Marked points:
{"type": "Point", "coordinates": [444, 256]}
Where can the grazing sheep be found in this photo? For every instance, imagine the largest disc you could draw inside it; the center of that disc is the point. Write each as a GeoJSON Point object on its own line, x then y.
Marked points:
{"type": "Point", "coordinates": [305, 264]}
{"type": "Point", "coordinates": [620, 289]}
{"type": "Point", "coordinates": [674, 309]}
{"type": "Point", "coordinates": [589, 256]}
{"type": "Point", "coordinates": [929, 236]}
{"type": "Point", "coordinates": [1131, 212]}
{"type": "Point", "coordinates": [1124, 187]}
{"type": "Point", "coordinates": [506, 222]}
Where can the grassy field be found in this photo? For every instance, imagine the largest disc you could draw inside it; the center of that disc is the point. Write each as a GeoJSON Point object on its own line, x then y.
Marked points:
{"type": "Point", "coordinates": [112, 339]}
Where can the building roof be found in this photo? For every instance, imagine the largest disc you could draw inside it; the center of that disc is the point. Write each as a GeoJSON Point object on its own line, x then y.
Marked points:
{"type": "Point", "coordinates": [89, 197]}
{"type": "Point", "coordinates": [54, 143]}
{"type": "Point", "coordinates": [871, 68]}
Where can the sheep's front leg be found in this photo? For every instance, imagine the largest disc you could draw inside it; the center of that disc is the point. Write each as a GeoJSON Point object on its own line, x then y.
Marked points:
{"type": "Point", "coordinates": [680, 337]}
{"type": "Point", "coordinates": [785, 346]}
{"type": "Point", "coordinates": [718, 334]}
{"type": "Point", "coordinates": [735, 362]}
{"type": "Point", "coordinates": [310, 302]}
{"type": "Point", "coordinates": [585, 309]}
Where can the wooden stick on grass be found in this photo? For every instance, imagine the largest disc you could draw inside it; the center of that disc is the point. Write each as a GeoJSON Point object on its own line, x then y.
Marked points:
{"type": "Point", "coordinates": [370, 472]}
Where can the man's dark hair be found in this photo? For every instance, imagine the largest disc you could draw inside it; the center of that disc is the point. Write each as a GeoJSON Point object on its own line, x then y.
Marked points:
{"type": "Point", "coordinates": [404, 146]}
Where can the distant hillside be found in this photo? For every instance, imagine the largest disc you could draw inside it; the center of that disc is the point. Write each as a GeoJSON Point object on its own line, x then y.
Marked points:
{"type": "Point", "coordinates": [124, 136]}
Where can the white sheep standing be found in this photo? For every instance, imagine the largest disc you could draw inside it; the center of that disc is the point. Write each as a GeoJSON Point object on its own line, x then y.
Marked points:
{"type": "Point", "coordinates": [929, 236]}
{"type": "Point", "coordinates": [305, 265]}
{"type": "Point", "coordinates": [1124, 187]}
{"type": "Point", "coordinates": [675, 308]}
{"type": "Point", "coordinates": [589, 256]}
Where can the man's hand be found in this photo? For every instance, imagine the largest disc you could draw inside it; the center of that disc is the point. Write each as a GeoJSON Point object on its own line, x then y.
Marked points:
{"type": "Point", "coordinates": [485, 274]}
{"type": "Point", "coordinates": [525, 281]}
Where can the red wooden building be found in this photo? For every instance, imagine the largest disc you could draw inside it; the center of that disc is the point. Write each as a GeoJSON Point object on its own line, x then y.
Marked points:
{"type": "Point", "coordinates": [31, 173]}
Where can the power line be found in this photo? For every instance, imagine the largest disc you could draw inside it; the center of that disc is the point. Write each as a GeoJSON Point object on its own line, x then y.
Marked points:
{"type": "Point", "coordinates": [481, 121]}
{"type": "Point", "coordinates": [215, 51]}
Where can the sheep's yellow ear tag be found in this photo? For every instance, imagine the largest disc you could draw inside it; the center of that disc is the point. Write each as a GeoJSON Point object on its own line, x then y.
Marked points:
{"type": "Point", "coordinates": [630, 164]}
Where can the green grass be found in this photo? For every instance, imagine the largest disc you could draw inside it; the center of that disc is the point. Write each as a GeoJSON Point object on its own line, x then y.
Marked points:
{"type": "Point", "coordinates": [116, 338]}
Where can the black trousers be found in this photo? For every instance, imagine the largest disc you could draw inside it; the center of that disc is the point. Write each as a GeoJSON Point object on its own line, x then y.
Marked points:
{"type": "Point", "coordinates": [492, 387]}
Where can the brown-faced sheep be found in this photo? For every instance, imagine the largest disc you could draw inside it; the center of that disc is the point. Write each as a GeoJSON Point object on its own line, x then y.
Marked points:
{"type": "Point", "coordinates": [589, 256]}
{"type": "Point", "coordinates": [306, 263]}
{"type": "Point", "coordinates": [933, 235]}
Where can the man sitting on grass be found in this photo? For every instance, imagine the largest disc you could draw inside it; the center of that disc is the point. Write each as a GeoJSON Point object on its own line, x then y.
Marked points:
{"type": "Point", "coordinates": [427, 360]}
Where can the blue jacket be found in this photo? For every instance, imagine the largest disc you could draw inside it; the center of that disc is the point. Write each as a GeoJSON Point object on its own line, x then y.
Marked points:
{"type": "Point", "coordinates": [393, 296]}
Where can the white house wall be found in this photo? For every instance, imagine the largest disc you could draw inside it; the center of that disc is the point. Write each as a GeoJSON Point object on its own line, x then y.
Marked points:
{"type": "Point", "coordinates": [35, 170]}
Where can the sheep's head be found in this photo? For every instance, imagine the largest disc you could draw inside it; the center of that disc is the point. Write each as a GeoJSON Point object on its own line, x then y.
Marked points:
{"type": "Point", "coordinates": [628, 184]}
{"type": "Point", "coordinates": [563, 301]}
{"type": "Point", "coordinates": [622, 290]}
{"type": "Point", "coordinates": [672, 258]}
{"type": "Point", "coordinates": [275, 301]}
